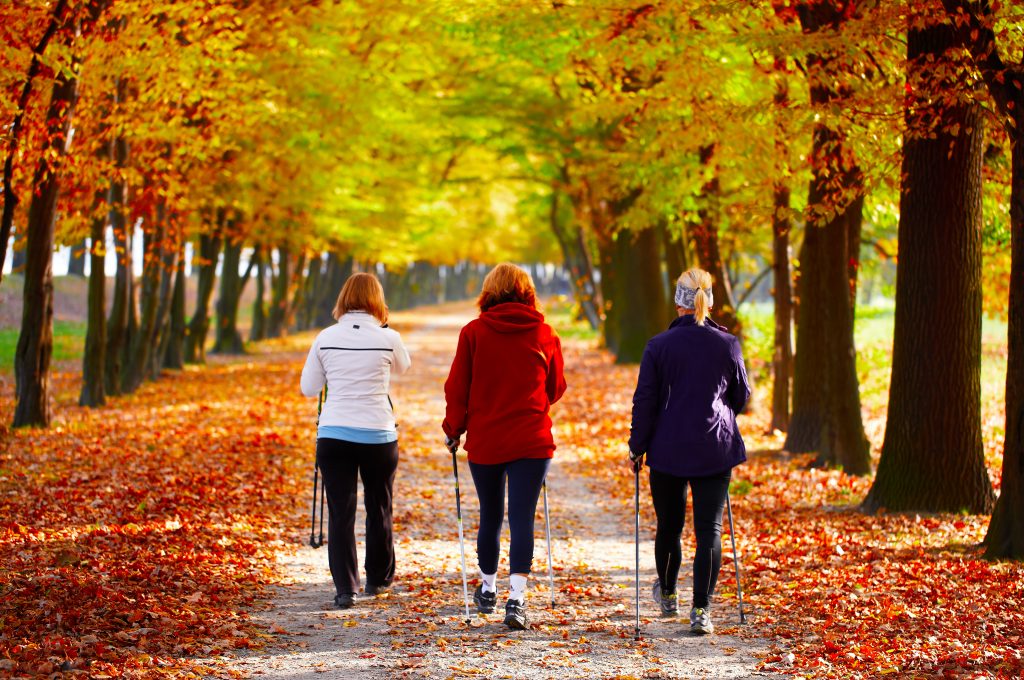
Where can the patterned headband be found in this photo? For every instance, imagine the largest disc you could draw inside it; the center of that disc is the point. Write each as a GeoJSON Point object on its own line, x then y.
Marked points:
{"type": "Point", "coordinates": [685, 296]}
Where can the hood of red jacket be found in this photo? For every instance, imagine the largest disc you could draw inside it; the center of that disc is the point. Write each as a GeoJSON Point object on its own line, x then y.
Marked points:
{"type": "Point", "coordinates": [512, 317]}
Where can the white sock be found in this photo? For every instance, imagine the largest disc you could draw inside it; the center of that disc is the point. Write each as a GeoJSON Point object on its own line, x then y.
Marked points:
{"type": "Point", "coordinates": [517, 587]}
{"type": "Point", "coordinates": [489, 581]}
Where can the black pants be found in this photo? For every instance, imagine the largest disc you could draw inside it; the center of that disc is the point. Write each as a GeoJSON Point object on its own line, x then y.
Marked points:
{"type": "Point", "coordinates": [525, 477]}
{"type": "Point", "coordinates": [669, 495]}
{"type": "Point", "coordinates": [341, 464]}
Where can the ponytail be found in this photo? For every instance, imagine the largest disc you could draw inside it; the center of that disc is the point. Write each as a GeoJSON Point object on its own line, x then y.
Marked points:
{"type": "Point", "coordinates": [700, 306]}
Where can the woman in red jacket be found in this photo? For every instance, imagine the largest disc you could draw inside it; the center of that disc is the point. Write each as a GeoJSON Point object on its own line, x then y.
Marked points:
{"type": "Point", "coordinates": [506, 374]}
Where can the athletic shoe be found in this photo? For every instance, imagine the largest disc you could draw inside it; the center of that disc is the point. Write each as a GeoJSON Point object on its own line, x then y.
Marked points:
{"type": "Point", "coordinates": [515, 615]}
{"type": "Point", "coordinates": [700, 621]}
{"type": "Point", "coordinates": [485, 602]}
{"type": "Point", "coordinates": [667, 601]}
{"type": "Point", "coordinates": [377, 590]}
{"type": "Point", "coordinates": [344, 600]}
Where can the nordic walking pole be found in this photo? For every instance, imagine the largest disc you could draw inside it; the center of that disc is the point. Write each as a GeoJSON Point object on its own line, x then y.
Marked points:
{"type": "Point", "coordinates": [313, 542]}
{"type": "Point", "coordinates": [462, 542]}
{"type": "Point", "coordinates": [547, 531]}
{"type": "Point", "coordinates": [636, 504]}
{"type": "Point", "coordinates": [735, 557]}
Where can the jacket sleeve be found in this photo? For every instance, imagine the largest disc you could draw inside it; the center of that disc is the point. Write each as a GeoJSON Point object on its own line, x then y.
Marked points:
{"type": "Point", "coordinates": [401, 355]}
{"type": "Point", "coordinates": [645, 403]}
{"type": "Point", "coordinates": [313, 376]}
{"type": "Point", "coordinates": [456, 388]}
{"type": "Point", "coordinates": [738, 390]}
{"type": "Point", "coordinates": [555, 384]}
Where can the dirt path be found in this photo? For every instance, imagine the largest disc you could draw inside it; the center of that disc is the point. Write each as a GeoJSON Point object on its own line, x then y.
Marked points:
{"type": "Point", "coordinates": [419, 630]}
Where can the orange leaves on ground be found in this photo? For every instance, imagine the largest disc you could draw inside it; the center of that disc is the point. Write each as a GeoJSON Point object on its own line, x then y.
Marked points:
{"type": "Point", "coordinates": [133, 536]}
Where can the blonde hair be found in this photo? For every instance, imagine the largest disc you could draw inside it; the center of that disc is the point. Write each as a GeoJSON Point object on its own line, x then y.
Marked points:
{"type": "Point", "coordinates": [700, 281]}
{"type": "Point", "coordinates": [362, 292]}
{"type": "Point", "coordinates": [507, 283]}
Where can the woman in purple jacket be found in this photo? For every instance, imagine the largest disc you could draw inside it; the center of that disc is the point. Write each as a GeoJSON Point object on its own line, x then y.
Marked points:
{"type": "Point", "coordinates": [692, 384]}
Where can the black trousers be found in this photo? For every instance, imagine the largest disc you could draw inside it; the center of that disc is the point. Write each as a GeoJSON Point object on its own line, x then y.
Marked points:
{"type": "Point", "coordinates": [525, 478]}
{"type": "Point", "coordinates": [669, 495]}
{"type": "Point", "coordinates": [341, 464]}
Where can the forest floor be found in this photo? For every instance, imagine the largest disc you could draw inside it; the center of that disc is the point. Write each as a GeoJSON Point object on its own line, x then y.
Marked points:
{"type": "Point", "coordinates": [165, 532]}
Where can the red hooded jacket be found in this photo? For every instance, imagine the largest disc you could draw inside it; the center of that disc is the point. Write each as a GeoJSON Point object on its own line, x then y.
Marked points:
{"type": "Point", "coordinates": [506, 374]}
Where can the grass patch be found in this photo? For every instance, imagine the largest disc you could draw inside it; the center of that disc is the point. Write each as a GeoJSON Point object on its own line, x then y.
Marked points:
{"type": "Point", "coordinates": [562, 312]}
{"type": "Point", "coordinates": [68, 343]}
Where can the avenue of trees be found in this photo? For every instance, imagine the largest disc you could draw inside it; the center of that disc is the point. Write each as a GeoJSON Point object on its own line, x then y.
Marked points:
{"type": "Point", "coordinates": [291, 142]}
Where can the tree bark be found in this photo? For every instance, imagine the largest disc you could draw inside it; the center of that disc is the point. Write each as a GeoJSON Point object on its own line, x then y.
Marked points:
{"type": "Point", "coordinates": [932, 455]}
{"type": "Point", "coordinates": [782, 294]}
{"type": "Point", "coordinates": [1005, 536]}
{"type": "Point", "coordinates": [338, 271]}
{"type": "Point", "coordinates": [577, 263]}
{"type": "Point", "coordinates": [279, 297]}
{"type": "Point", "coordinates": [58, 21]}
{"type": "Point", "coordinates": [705, 238]}
{"type": "Point", "coordinates": [35, 343]}
{"type": "Point", "coordinates": [258, 330]}
{"type": "Point", "coordinates": [826, 414]}
{"type": "Point", "coordinates": [143, 339]}
{"type": "Point", "coordinates": [209, 252]}
{"type": "Point", "coordinates": [76, 262]}
{"type": "Point", "coordinates": [94, 358]}
{"type": "Point", "coordinates": [228, 339]}
{"type": "Point", "coordinates": [639, 292]}
{"type": "Point", "coordinates": [174, 353]}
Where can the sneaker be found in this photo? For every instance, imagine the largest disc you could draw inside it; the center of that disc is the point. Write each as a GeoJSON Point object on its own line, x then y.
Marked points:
{"type": "Point", "coordinates": [344, 600]}
{"type": "Point", "coordinates": [377, 590]}
{"type": "Point", "coordinates": [700, 621]}
{"type": "Point", "coordinates": [515, 615]}
{"type": "Point", "coordinates": [485, 602]}
{"type": "Point", "coordinates": [667, 601]}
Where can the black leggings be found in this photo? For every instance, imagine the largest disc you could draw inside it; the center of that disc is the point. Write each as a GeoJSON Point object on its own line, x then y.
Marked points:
{"type": "Point", "coordinates": [525, 477]}
{"type": "Point", "coordinates": [341, 464]}
{"type": "Point", "coordinates": [669, 495]}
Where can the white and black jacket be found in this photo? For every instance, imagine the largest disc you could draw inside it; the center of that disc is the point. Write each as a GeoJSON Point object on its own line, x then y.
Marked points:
{"type": "Point", "coordinates": [355, 358]}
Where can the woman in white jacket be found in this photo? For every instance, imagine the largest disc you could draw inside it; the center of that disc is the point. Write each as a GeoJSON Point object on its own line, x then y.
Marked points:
{"type": "Point", "coordinates": [356, 437]}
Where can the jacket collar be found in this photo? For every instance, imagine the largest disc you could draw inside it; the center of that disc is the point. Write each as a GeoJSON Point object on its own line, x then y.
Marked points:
{"type": "Point", "coordinates": [691, 320]}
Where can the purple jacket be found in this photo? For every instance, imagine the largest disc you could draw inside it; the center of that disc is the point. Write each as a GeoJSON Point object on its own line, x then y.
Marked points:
{"type": "Point", "coordinates": [692, 383]}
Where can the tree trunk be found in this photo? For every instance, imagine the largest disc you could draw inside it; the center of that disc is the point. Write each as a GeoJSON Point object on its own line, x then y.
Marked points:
{"type": "Point", "coordinates": [118, 322]}
{"type": "Point", "coordinates": [228, 339]}
{"type": "Point", "coordinates": [826, 413]}
{"type": "Point", "coordinates": [279, 295]}
{"type": "Point", "coordinates": [143, 339]}
{"type": "Point", "coordinates": [639, 292]}
{"type": "Point", "coordinates": [57, 21]}
{"type": "Point", "coordinates": [577, 263]}
{"type": "Point", "coordinates": [782, 292]}
{"type": "Point", "coordinates": [296, 289]}
{"type": "Point", "coordinates": [1005, 536]}
{"type": "Point", "coordinates": [932, 455]}
{"type": "Point", "coordinates": [843, 441]}
{"type": "Point", "coordinates": [172, 253]}
{"type": "Point", "coordinates": [76, 262]}
{"type": "Point", "coordinates": [174, 354]}
{"type": "Point", "coordinates": [35, 343]}
{"type": "Point", "coordinates": [338, 271]}
{"type": "Point", "coordinates": [258, 331]}
{"type": "Point", "coordinates": [705, 239]}
{"type": "Point", "coordinates": [94, 357]}
{"type": "Point", "coordinates": [209, 252]}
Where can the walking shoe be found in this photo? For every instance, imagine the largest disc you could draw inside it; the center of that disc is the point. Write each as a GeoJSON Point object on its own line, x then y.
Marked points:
{"type": "Point", "coordinates": [515, 615]}
{"type": "Point", "coordinates": [700, 621]}
{"type": "Point", "coordinates": [667, 601]}
{"type": "Point", "coordinates": [377, 590]}
{"type": "Point", "coordinates": [485, 602]}
{"type": "Point", "coordinates": [344, 600]}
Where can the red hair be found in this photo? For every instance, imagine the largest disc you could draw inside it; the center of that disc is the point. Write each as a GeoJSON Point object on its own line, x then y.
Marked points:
{"type": "Point", "coordinates": [507, 283]}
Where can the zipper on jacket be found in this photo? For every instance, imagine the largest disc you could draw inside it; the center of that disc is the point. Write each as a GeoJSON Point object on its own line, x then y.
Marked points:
{"type": "Point", "coordinates": [669, 397]}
